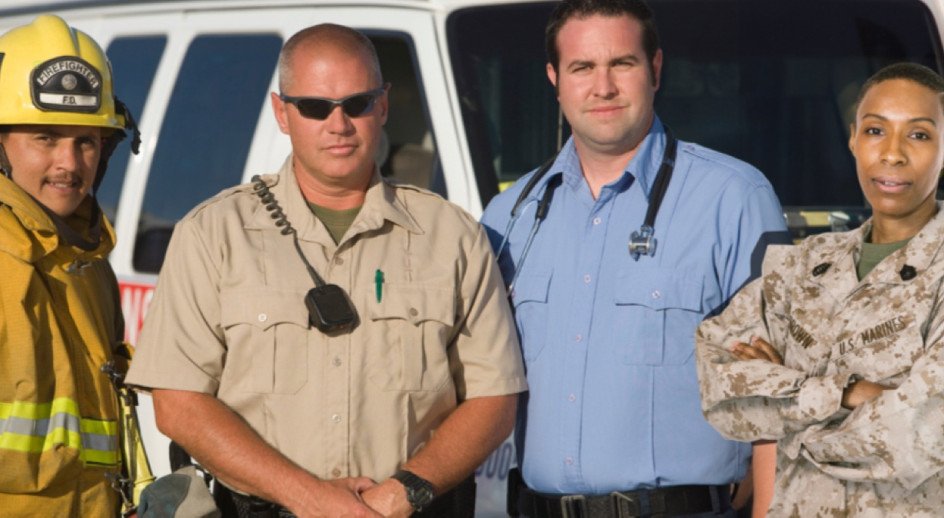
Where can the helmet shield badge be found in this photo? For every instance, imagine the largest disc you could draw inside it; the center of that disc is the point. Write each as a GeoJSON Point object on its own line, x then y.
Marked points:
{"type": "Point", "coordinates": [66, 83]}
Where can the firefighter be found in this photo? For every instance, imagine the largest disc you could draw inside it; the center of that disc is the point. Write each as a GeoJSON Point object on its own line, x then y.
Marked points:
{"type": "Point", "coordinates": [61, 327]}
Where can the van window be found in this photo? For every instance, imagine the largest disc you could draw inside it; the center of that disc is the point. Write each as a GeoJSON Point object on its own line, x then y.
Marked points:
{"type": "Point", "coordinates": [771, 83]}
{"type": "Point", "coordinates": [205, 137]}
{"type": "Point", "coordinates": [133, 61]}
{"type": "Point", "coordinates": [409, 153]}
{"type": "Point", "coordinates": [509, 108]}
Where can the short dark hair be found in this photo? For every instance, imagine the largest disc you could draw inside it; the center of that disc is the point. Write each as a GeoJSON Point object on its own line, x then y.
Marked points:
{"type": "Point", "coordinates": [913, 72]}
{"type": "Point", "coordinates": [579, 9]}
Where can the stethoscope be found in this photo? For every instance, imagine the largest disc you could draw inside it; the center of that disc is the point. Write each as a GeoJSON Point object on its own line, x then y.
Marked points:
{"type": "Point", "coordinates": [641, 242]}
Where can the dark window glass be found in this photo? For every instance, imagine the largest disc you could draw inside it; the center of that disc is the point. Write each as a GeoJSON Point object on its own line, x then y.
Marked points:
{"type": "Point", "coordinates": [206, 133]}
{"type": "Point", "coordinates": [134, 61]}
{"type": "Point", "coordinates": [509, 108]}
{"type": "Point", "coordinates": [770, 82]}
{"type": "Point", "coordinates": [409, 151]}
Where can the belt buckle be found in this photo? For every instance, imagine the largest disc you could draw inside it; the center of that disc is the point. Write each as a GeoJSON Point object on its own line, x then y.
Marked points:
{"type": "Point", "coordinates": [573, 506]}
{"type": "Point", "coordinates": [625, 506]}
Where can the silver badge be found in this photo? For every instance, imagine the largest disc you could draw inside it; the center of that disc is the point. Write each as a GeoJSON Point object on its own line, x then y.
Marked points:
{"type": "Point", "coordinates": [69, 82]}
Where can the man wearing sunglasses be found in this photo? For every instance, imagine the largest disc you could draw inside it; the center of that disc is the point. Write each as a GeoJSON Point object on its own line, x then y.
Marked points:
{"type": "Point", "coordinates": [375, 390]}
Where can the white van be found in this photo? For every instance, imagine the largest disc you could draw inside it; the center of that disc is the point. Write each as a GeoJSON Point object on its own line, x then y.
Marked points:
{"type": "Point", "coordinates": [768, 81]}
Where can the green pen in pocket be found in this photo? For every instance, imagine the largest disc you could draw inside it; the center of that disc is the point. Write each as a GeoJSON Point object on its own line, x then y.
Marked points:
{"type": "Point", "coordinates": [378, 284]}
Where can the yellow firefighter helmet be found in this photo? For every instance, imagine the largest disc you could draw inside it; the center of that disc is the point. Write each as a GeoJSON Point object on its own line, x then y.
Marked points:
{"type": "Point", "coordinates": [53, 74]}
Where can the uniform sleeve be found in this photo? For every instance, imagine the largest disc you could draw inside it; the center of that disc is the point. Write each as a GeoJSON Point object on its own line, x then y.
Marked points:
{"type": "Point", "coordinates": [756, 399]}
{"type": "Point", "coordinates": [181, 345]}
{"type": "Point", "coordinates": [756, 223]}
{"type": "Point", "coordinates": [898, 436]}
{"type": "Point", "coordinates": [485, 355]}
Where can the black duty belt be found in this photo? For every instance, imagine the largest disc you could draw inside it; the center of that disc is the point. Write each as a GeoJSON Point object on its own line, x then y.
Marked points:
{"type": "Point", "coordinates": [457, 503]}
{"type": "Point", "coordinates": [658, 502]}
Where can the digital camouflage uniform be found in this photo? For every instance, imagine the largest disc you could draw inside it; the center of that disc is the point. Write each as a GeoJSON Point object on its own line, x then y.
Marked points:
{"type": "Point", "coordinates": [882, 459]}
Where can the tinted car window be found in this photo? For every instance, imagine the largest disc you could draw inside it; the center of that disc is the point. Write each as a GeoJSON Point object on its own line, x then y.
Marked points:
{"type": "Point", "coordinates": [134, 61]}
{"type": "Point", "coordinates": [770, 82]}
{"type": "Point", "coordinates": [206, 133]}
{"type": "Point", "coordinates": [409, 151]}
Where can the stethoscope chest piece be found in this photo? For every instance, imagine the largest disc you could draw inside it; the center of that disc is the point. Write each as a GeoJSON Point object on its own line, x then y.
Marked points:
{"type": "Point", "coordinates": [642, 242]}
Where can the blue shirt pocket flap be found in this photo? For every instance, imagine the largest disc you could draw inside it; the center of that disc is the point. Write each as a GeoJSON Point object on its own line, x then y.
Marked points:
{"type": "Point", "coordinates": [531, 287]}
{"type": "Point", "coordinates": [659, 289]}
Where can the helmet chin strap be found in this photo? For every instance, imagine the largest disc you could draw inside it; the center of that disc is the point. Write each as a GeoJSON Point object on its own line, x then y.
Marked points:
{"type": "Point", "coordinates": [5, 167]}
{"type": "Point", "coordinates": [110, 143]}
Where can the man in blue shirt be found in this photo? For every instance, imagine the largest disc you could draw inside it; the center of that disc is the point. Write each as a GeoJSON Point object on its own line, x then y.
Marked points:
{"type": "Point", "coordinates": [613, 410]}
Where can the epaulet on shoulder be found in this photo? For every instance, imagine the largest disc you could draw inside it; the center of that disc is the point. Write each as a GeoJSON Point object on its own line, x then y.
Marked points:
{"type": "Point", "coordinates": [396, 184]}
{"type": "Point", "coordinates": [428, 196]}
{"type": "Point", "coordinates": [231, 192]}
{"type": "Point", "coordinates": [718, 158]}
{"type": "Point", "coordinates": [825, 239]}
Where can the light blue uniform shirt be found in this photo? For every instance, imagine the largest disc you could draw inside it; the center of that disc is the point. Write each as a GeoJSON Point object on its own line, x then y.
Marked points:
{"type": "Point", "coordinates": [608, 341]}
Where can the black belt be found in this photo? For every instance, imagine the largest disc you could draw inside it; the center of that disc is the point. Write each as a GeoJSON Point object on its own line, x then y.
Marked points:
{"type": "Point", "coordinates": [658, 502]}
{"type": "Point", "coordinates": [456, 503]}
{"type": "Point", "coordinates": [237, 505]}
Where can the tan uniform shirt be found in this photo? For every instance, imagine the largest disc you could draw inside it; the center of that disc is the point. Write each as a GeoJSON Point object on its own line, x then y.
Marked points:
{"type": "Point", "coordinates": [882, 459]}
{"type": "Point", "coordinates": [229, 319]}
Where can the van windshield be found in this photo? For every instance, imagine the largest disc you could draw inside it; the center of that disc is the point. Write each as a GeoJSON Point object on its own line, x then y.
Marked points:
{"type": "Point", "coordinates": [769, 82]}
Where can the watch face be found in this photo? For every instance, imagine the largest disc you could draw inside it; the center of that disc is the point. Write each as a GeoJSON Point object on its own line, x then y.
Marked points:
{"type": "Point", "coordinates": [422, 497]}
{"type": "Point", "coordinates": [419, 492]}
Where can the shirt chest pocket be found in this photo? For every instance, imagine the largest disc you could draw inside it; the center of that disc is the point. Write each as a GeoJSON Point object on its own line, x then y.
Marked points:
{"type": "Point", "coordinates": [530, 301]}
{"type": "Point", "coordinates": [657, 311]}
{"type": "Point", "coordinates": [267, 340]}
{"type": "Point", "coordinates": [408, 348]}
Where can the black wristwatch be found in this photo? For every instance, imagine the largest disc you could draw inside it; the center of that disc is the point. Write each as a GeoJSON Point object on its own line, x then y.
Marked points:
{"type": "Point", "coordinates": [419, 492]}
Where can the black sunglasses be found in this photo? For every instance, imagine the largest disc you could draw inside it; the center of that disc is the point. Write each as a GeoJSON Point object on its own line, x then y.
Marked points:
{"type": "Point", "coordinates": [319, 108]}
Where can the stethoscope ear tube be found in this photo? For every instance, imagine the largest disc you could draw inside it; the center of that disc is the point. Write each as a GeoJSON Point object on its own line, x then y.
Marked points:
{"type": "Point", "coordinates": [543, 207]}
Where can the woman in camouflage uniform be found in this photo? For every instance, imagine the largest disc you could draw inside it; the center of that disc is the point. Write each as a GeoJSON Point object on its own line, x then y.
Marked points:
{"type": "Point", "coordinates": [837, 351]}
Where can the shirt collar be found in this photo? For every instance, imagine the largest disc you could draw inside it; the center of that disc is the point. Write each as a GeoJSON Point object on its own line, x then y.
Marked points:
{"type": "Point", "coordinates": [646, 163]}
{"type": "Point", "coordinates": [380, 204]}
{"type": "Point", "coordinates": [643, 167]}
{"type": "Point", "coordinates": [918, 254]}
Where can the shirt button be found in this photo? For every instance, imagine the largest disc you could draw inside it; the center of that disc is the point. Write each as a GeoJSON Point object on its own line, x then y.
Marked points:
{"type": "Point", "coordinates": [657, 294]}
{"type": "Point", "coordinates": [413, 312]}
{"type": "Point", "coordinates": [336, 418]}
{"type": "Point", "coordinates": [568, 460]}
{"type": "Point", "coordinates": [336, 473]}
{"type": "Point", "coordinates": [586, 279]}
{"type": "Point", "coordinates": [336, 361]}
{"type": "Point", "coordinates": [338, 260]}
{"type": "Point", "coordinates": [571, 398]}
{"type": "Point", "coordinates": [578, 338]}
{"type": "Point", "coordinates": [597, 221]}
{"type": "Point", "coordinates": [263, 317]}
